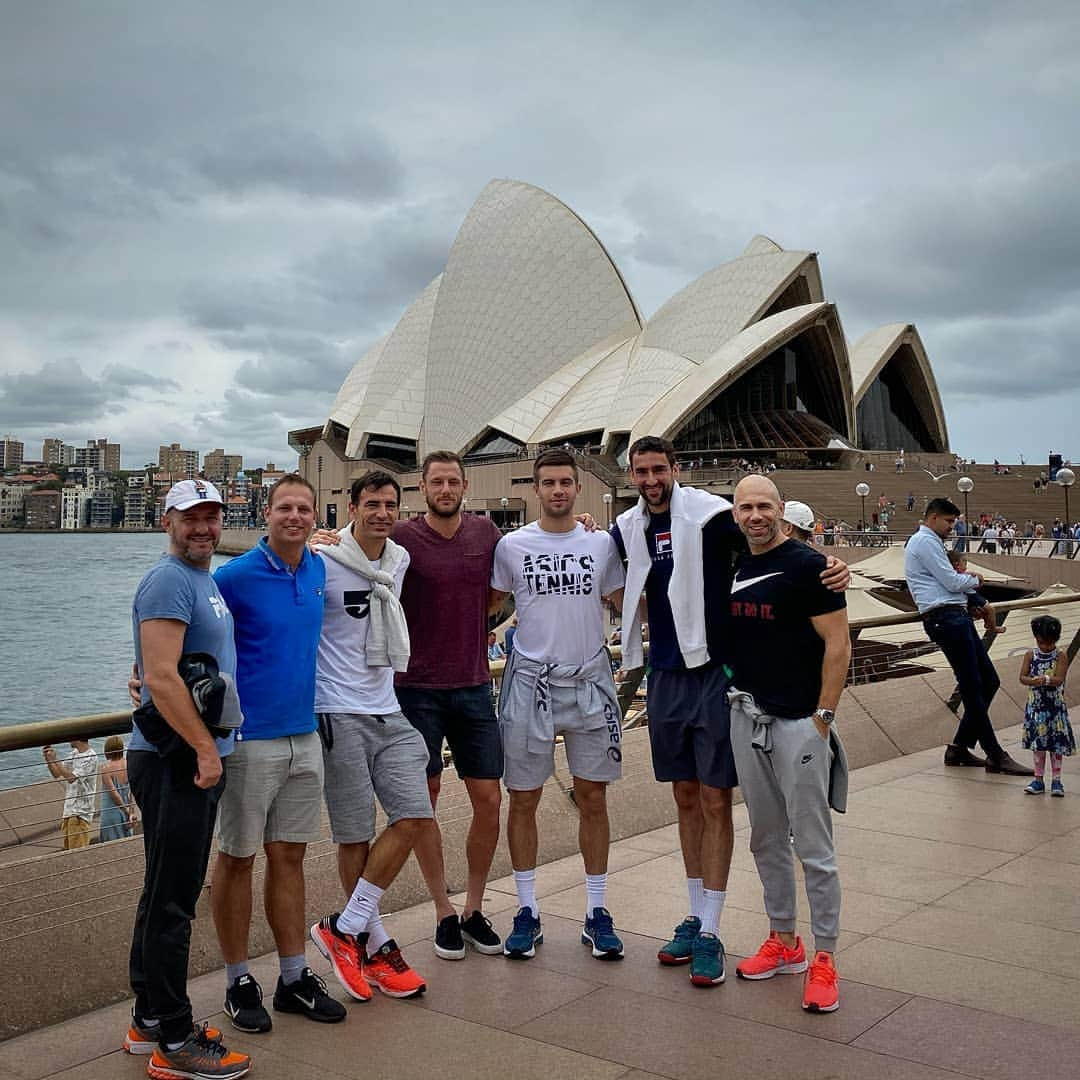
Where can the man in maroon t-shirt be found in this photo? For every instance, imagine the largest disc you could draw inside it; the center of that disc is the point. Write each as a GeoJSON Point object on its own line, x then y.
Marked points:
{"type": "Point", "coordinates": [446, 691]}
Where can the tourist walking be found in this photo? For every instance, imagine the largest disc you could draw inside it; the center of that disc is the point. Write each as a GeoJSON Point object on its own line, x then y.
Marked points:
{"type": "Point", "coordinates": [117, 816]}
{"type": "Point", "coordinates": [940, 593]}
{"type": "Point", "coordinates": [369, 749]}
{"type": "Point", "coordinates": [680, 545]}
{"type": "Point", "coordinates": [1046, 716]}
{"type": "Point", "coordinates": [175, 770]}
{"type": "Point", "coordinates": [274, 777]}
{"type": "Point", "coordinates": [558, 681]}
{"type": "Point", "coordinates": [790, 760]}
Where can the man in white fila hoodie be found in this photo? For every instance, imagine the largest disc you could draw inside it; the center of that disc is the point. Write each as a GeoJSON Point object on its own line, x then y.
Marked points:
{"type": "Point", "coordinates": [681, 545]}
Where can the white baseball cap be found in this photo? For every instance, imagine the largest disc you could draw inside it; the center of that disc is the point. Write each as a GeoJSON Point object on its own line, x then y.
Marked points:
{"type": "Point", "coordinates": [799, 514]}
{"type": "Point", "coordinates": [189, 493]}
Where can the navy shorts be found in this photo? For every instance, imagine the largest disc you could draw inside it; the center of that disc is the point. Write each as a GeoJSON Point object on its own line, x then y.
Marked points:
{"type": "Point", "coordinates": [690, 726]}
{"type": "Point", "coordinates": [463, 716]}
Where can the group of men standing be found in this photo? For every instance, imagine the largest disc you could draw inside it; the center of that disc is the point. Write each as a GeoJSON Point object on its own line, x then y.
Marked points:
{"type": "Point", "coordinates": [353, 661]}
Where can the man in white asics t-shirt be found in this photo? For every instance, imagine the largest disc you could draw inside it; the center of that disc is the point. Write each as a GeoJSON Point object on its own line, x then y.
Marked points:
{"type": "Point", "coordinates": [558, 681]}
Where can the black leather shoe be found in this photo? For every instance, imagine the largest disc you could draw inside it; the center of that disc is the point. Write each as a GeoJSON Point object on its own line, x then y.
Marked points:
{"type": "Point", "coordinates": [1002, 763]}
{"type": "Point", "coordinates": [961, 755]}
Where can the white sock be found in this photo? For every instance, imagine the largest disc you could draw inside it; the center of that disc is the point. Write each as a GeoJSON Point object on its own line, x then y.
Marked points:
{"type": "Point", "coordinates": [377, 935]}
{"type": "Point", "coordinates": [696, 888]}
{"type": "Point", "coordinates": [362, 907]}
{"type": "Point", "coordinates": [710, 916]}
{"type": "Point", "coordinates": [525, 881]}
{"type": "Point", "coordinates": [595, 891]}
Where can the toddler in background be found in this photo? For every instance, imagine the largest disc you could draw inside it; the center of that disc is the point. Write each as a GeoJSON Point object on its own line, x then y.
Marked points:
{"type": "Point", "coordinates": [1046, 717]}
{"type": "Point", "coordinates": [978, 605]}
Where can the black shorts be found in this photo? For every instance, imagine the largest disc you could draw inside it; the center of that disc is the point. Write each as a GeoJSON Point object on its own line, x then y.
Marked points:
{"type": "Point", "coordinates": [465, 717]}
{"type": "Point", "coordinates": [690, 726]}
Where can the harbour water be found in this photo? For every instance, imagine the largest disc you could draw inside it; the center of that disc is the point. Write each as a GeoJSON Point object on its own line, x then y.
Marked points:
{"type": "Point", "coordinates": [65, 628]}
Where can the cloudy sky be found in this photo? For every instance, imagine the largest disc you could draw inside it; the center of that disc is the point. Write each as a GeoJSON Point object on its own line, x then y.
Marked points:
{"type": "Point", "coordinates": [208, 211]}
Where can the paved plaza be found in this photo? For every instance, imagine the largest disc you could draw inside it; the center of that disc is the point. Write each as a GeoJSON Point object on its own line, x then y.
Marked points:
{"type": "Point", "coordinates": [959, 956]}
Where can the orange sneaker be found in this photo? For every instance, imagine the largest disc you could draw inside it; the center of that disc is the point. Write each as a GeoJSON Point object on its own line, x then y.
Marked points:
{"type": "Point", "coordinates": [388, 971]}
{"type": "Point", "coordinates": [346, 956]}
{"type": "Point", "coordinates": [200, 1058]}
{"type": "Point", "coordinates": [143, 1040]}
{"type": "Point", "coordinates": [821, 993]}
{"type": "Point", "coordinates": [773, 958]}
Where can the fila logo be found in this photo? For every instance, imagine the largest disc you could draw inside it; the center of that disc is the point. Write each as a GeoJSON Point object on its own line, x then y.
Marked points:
{"type": "Point", "coordinates": [663, 543]}
{"type": "Point", "coordinates": [738, 586]}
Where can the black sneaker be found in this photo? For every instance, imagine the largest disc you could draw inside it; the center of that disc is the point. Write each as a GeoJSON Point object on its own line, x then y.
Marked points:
{"type": "Point", "coordinates": [479, 933]}
{"type": "Point", "coordinates": [308, 996]}
{"type": "Point", "coordinates": [244, 1007]}
{"type": "Point", "coordinates": [448, 942]}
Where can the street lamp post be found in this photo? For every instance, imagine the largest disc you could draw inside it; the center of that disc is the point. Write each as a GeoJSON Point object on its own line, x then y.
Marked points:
{"type": "Point", "coordinates": [607, 507]}
{"type": "Point", "coordinates": [318, 463]}
{"type": "Point", "coordinates": [504, 502]}
{"type": "Point", "coordinates": [965, 485]}
{"type": "Point", "coordinates": [1066, 478]}
{"type": "Point", "coordinates": [862, 490]}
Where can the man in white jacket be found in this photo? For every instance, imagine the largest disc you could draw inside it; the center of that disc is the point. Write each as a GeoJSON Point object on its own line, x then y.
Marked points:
{"type": "Point", "coordinates": [681, 545]}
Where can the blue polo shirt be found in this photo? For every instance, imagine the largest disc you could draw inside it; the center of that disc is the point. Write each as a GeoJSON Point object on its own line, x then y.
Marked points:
{"type": "Point", "coordinates": [277, 616]}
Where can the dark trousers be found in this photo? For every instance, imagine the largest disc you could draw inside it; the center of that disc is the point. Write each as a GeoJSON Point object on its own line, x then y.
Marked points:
{"type": "Point", "coordinates": [178, 824]}
{"type": "Point", "coordinates": [952, 630]}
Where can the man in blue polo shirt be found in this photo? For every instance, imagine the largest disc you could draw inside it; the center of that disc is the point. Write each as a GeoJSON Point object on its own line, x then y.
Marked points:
{"type": "Point", "coordinates": [274, 777]}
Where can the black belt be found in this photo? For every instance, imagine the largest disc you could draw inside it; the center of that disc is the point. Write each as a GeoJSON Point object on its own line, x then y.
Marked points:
{"type": "Point", "coordinates": [942, 607]}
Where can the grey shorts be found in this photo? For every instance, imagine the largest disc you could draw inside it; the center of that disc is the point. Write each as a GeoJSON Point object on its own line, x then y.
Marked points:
{"type": "Point", "coordinates": [273, 793]}
{"type": "Point", "coordinates": [367, 757]}
{"type": "Point", "coordinates": [593, 753]}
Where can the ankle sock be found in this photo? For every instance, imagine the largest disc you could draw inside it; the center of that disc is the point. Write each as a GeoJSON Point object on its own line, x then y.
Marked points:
{"type": "Point", "coordinates": [714, 904]}
{"type": "Point", "coordinates": [377, 935]}
{"type": "Point", "coordinates": [595, 892]}
{"type": "Point", "coordinates": [292, 967]}
{"type": "Point", "coordinates": [234, 972]}
{"type": "Point", "coordinates": [525, 883]}
{"type": "Point", "coordinates": [695, 886]}
{"type": "Point", "coordinates": [361, 908]}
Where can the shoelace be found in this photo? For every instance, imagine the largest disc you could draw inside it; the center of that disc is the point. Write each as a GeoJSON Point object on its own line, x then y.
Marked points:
{"type": "Point", "coordinates": [773, 947]}
{"type": "Point", "coordinates": [396, 961]}
{"type": "Point", "coordinates": [204, 1042]}
{"type": "Point", "coordinates": [604, 924]}
{"type": "Point", "coordinates": [312, 984]}
{"type": "Point", "coordinates": [686, 929]}
{"type": "Point", "coordinates": [822, 973]}
{"type": "Point", "coordinates": [523, 922]}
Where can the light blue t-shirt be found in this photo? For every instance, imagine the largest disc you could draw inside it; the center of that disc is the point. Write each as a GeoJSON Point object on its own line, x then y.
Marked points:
{"type": "Point", "coordinates": [174, 589]}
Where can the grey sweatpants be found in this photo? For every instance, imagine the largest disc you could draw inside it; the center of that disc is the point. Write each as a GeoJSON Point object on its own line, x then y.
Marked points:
{"type": "Point", "coordinates": [787, 795]}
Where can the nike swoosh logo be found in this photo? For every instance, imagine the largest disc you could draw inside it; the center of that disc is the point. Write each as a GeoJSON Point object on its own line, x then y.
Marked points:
{"type": "Point", "coordinates": [737, 586]}
{"type": "Point", "coordinates": [305, 1002]}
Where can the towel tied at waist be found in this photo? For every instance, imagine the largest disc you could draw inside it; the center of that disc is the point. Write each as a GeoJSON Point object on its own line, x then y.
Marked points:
{"type": "Point", "coordinates": [761, 739]}
{"type": "Point", "coordinates": [527, 698]}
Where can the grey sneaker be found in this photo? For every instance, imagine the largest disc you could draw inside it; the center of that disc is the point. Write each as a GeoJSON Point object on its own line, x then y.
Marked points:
{"type": "Point", "coordinates": [200, 1058]}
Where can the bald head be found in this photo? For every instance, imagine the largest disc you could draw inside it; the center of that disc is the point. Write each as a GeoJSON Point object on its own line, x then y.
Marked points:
{"type": "Point", "coordinates": [758, 509]}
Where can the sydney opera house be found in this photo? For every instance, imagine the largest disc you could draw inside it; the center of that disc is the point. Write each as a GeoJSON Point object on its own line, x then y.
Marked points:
{"type": "Point", "coordinates": [530, 337]}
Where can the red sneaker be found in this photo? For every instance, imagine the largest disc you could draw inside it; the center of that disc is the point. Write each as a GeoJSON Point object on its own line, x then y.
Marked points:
{"type": "Point", "coordinates": [346, 956]}
{"type": "Point", "coordinates": [388, 971]}
{"type": "Point", "coordinates": [821, 993]}
{"type": "Point", "coordinates": [773, 958]}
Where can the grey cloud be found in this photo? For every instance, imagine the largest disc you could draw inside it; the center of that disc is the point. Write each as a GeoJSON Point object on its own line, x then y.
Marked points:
{"type": "Point", "coordinates": [122, 376]}
{"type": "Point", "coordinates": [59, 392]}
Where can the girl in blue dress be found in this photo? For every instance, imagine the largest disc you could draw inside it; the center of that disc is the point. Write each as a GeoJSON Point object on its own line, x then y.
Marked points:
{"type": "Point", "coordinates": [1046, 717]}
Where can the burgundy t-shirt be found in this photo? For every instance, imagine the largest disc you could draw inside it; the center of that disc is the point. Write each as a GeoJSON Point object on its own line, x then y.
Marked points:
{"type": "Point", "coordinates": [445, 597]}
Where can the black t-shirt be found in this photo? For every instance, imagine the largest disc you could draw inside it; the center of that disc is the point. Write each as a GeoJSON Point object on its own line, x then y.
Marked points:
{"type": "Point", "coordinates": [721, 543]}
{"type": "Point", "coordinates": [776, 651]}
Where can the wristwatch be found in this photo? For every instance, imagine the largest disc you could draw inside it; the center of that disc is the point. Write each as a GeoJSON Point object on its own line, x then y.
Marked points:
{"type": "Point", "coordinates": [826, 716]}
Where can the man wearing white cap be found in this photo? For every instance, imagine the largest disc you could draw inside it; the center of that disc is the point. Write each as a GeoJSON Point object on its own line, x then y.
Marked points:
{"type": "Point", "coordinates": [177, 779]}
{"type": "Point", "coordinates": [798, 521]}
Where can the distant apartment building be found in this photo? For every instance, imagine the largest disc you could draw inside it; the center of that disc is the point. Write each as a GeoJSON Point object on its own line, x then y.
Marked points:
{"type": "Point", "coordinates": [12, 501]}
{"type": "Point", "coordinates": [178, 461]}
{"type": "Point", "coordinates": [12, 452]}
{"type": "Point", "coordinates": [101, 507]}
{"type": "Point", "coordinates": [135, 506]}
{"type": "Point", "coordinates": [42, 509]}
{"type": "Point", "coordinates": [52, 452]}
{"type": "Point", "coordinates": [219, 466]}
{"type": "Point", "coordinates": [74, 507]}
{"type": "Point", "coordinates": [237, 511]}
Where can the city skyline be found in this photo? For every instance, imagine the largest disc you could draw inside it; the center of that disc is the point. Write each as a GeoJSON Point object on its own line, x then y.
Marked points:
{"type": "Point", "coordinates": [205, 247]}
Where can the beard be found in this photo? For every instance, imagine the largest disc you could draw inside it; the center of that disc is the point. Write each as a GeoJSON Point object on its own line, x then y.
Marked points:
{"type": "Point", "coordinates": [443, 511]}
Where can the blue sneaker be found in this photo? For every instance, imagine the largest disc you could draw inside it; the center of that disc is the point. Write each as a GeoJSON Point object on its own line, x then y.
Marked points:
{"type": "Point", "coordinates": [678, 950]}
{"type": "Point", "coordinates": [521, 942]}
{"type": "Point", "coordinates": [599, 932]}
{"type": "Point", "coordinates": [1036, 787]}
{"type": "Point", "coordinates": [707, 961]}
{"type": "Point", "coordinates": [1057, 789]}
